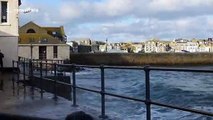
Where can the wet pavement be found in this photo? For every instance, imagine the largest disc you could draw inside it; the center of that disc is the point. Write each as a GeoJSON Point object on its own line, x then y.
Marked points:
{"type": "Point", "coordinates": [14, 101]}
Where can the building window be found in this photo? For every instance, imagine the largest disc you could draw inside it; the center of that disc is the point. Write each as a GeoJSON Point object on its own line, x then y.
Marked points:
{"type": "Point", "coordinates": [31, 31]}
{"type": "Point", "coordinates": [55, 51]}
{"type": "Point", "coordinates": [4, 16]}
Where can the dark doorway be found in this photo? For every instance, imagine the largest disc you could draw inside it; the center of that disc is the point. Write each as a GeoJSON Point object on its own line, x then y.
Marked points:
{"type": "Point", "coordinates": [42, 52]}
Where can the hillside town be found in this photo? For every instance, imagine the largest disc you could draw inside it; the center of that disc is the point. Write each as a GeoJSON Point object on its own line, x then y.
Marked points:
{"type": "Point", "coordinates": [149, 46]}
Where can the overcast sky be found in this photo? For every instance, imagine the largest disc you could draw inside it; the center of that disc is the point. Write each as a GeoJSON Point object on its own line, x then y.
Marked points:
{"type": "Point", "coordinates": [124, 20]}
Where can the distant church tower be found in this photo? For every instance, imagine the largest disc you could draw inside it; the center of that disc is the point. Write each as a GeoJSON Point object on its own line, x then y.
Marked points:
{"type": "Point", "coordinates": [106, 45]}
{"type": "Point", "coordinates": [9, 30]}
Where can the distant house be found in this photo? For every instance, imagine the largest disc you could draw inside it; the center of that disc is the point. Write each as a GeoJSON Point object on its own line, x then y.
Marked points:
{"type": "Point", "coordinates": [203, 48]}
{"type": "Point", "coordinates": [84, 49]}
{"type": "Point", "coordinates": [38, 42]}
{"type": "Point", "coordinates": [83, 41]}
{"type": "Point", "coordinates": [161, 47]}
{"type": "Point", "coordinates": [138, 47]}
{"type": "Point", "coordinates": [9, 30]}
{"type": "Point", "coordinates": [180, 45]}
{"type": "Point", "coordinates": [73, 46]}
{"type": "Point", "coordinates": [95, 48]}
{"type": "Point", "coordinates": [192, 46]}
{"type": "Point", "coordinates": [150, 46]}
{"type": "Point", "coordinates": [102, 48]}
{"type": "Point", "coordinates": [84, 45]}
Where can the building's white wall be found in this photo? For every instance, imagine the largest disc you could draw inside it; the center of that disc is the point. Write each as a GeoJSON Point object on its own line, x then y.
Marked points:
{"type": "Point", "coordinates": [24, 51]}
{"type": "Point", "coordinates": [138, 48]}
{"type": "Point", "coordinates": [150, 47]}
{"type": "Point", "coordinates": [9, 47]}
{"type": "Point", "coordinates": [49, 52]}
{"type": "Point", "coordinates": [10, 28]}
{"type": "Point", "coordinates": [35, 52]}
{"type": "Point", "coordinates": [63, 52]}
{"type": "Point", "coordinates": [9, 34]}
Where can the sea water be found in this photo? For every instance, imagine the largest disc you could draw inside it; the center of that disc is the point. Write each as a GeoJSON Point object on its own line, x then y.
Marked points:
{"type": "Point", "coordinates": [184, 89]}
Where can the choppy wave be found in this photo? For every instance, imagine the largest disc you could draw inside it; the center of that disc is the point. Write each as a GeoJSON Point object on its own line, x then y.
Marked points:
{"type": "Point", "coordinates": [182, 89]}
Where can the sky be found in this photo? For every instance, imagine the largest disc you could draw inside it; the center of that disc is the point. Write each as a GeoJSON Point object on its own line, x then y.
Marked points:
{"type": "Point", "coordinates": [123, 20]}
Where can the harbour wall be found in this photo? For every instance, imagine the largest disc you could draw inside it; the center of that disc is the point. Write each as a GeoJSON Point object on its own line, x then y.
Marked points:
{"type": "Point", "coordinates": [154, 59]}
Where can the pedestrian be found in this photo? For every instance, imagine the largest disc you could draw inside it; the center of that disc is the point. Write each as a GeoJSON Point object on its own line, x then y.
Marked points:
{"type": "Point", "coordinates": [1, 59]}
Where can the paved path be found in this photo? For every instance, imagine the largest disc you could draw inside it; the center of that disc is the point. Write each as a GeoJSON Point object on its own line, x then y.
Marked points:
{"type": "Point", "coordinates": [19, 104]}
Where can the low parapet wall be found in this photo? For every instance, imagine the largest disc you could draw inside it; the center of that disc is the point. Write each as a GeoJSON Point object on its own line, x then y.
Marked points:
{"type": "Point", "coordinates": [4, 116]}
{"type": "Point", "coordinates": [60, 85]}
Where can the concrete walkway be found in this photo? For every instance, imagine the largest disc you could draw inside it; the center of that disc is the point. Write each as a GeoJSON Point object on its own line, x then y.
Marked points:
{"type": "Point", "coordinates": [14, 102]}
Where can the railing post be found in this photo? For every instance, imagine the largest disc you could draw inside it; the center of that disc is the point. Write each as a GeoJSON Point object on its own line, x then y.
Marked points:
{"type": "Point", "coordinates": [46, 68]}
{"type": "Point", "coordinates": [24, 73]}
{"type": "Point", "coordinates": [52, 64]}
{"type": "Point", "coordinates": [103, 115]}
{"type": "Point", "coordinates": [41, 81]}
{"type": "Point", "coordinates": [1, 82]}
{"type": "Point", "coordinates": [18, 77]}
{"type": "Point", "coordinates": [74, 85]}
{"type": "Point", "coordinates": [148, 100]}
{"type": "Point", "coordinates": [31, 78]}
{"type": "Point", "coordinates": [37, 63]}
{"type": "Point", "coordinates": [13, 79]}
{"type": "Point", "coordinates": [55, 82]}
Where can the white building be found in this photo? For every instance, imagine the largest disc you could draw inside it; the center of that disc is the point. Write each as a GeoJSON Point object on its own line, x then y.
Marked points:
{"type": "Point", "coordinates": [102, 48]}
{"type": "Point", "coordinates": [73, 45]}
{"type": "Point", "coordinates": [150, 46]}
{"type": "Point", "coordinates": [9, 30]}
{"type": "Point", "coordinates": [137, 48]}
{"type": "Point", "coordinates": [43, 43]}
{"type": "Point", "coordinates": [180, 46]}
{"type": "Point", "coordinates": [203, 48]}
{"type": "Point", "coordinates": [161, 47]}
{"type": "Point", "coordinates": [192, 46]}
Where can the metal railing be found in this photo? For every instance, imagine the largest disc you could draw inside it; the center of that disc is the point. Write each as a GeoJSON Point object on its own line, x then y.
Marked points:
{"type": "Point", "coordinates": [32, 69]}
{"type": "Point", "coordinates": [147, 100]}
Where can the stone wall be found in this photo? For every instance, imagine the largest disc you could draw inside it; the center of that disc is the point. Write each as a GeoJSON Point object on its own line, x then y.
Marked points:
{"type": "Point", "coordinates": [62, 85]}
{"type": "Point", "coordinates": [156, 59]}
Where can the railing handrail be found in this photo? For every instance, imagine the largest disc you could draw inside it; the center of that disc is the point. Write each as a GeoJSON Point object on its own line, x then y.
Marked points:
{"type": "Point", "coordinates": [141, 68]}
